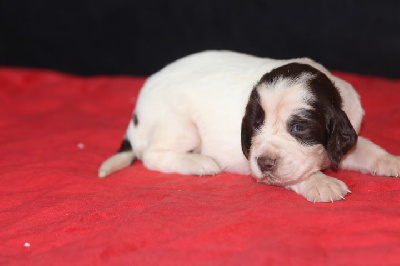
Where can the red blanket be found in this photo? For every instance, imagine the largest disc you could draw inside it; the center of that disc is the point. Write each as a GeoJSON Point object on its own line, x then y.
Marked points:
{"type": "Point", "coordinates": [56, 129]}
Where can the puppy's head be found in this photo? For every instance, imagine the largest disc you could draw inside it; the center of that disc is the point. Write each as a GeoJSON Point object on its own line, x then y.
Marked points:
{"type": "Point", "coordinates": [294, 125]}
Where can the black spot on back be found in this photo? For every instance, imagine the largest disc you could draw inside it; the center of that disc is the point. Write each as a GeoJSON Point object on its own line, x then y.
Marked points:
{"type": "Point", "coordinates": [125, 146]}
{"type": "Point", "coordinates": [135, 120]}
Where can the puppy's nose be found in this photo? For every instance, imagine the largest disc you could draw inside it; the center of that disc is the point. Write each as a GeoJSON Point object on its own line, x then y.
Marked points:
{"type": "Point", "coordinates": [266, 164]}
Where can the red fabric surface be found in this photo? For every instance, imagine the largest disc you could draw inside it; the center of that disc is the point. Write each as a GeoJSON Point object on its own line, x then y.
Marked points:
{"type": "Point", "coordinates": [56, 129]}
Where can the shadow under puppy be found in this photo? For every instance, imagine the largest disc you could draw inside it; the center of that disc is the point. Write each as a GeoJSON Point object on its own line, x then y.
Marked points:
{"type": "Point", "coordinates": [282, 121]}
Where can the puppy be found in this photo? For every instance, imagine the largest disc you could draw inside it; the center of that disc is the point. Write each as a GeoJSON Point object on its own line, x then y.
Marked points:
{"type": "Point", "coordinates": [282, 121]}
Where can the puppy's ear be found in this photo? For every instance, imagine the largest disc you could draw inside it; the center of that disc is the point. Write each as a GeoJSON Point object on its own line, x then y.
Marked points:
{"type": "Point", "coordinates": [341, 136]}
{"type": "Point", "coordinates": [252, 120]}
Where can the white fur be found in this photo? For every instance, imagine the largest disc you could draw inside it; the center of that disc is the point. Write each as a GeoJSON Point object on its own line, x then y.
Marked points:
{"type": "Point", "coordinates": [190, 116]}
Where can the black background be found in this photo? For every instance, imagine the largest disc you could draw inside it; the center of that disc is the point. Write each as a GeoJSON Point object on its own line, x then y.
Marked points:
{"type": "Point", "coordinates": [139, 37]}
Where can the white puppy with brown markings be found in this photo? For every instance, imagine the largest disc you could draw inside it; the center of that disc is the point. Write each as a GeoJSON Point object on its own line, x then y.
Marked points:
{"type": "Point", "coordinates": [282, 121]}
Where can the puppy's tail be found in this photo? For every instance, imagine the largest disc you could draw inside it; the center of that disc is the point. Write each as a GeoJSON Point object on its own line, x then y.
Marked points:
{"type": "Point", "coordinates": [123, 158]}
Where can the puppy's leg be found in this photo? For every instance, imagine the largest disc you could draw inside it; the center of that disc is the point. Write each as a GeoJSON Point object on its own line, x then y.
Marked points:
{"type": "Point", "coordinates": [172, 147]}
{"type": "Point", "coordinates": [320, 188]}
{"type": "Point", "coordinates": [368, 157]}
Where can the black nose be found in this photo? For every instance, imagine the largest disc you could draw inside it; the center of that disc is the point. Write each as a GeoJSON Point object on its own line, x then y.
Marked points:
{"type": "Point", "coordinates": [266, 164]}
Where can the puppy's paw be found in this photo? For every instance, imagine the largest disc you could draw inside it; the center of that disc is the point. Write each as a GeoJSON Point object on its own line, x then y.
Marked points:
{"type": "Point", "coordinates": [321, 188]}
{"type": "Point", "coordinates": [183, 163]}
{"type": "Point", "coordinates": [195, 164]}
{"type": "Point", "coordinates": [387, 165]}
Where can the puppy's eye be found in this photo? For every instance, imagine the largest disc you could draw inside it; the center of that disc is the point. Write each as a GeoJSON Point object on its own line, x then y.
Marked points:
{"type": "Point", "coordinates": [297, 128]}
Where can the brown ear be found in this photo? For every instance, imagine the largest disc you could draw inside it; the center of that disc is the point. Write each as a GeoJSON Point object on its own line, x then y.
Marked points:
{"type": "Point", "coordinates": [252, 120]}
{"type": "Point", "coordinates": [341, 137]}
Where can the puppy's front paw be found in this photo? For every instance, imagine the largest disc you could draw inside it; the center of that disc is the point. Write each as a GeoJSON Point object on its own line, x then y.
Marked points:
{"type": "Point", "coordinates": [387, 165]}
{"type": "Point", "coordinates": [321, 188]}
